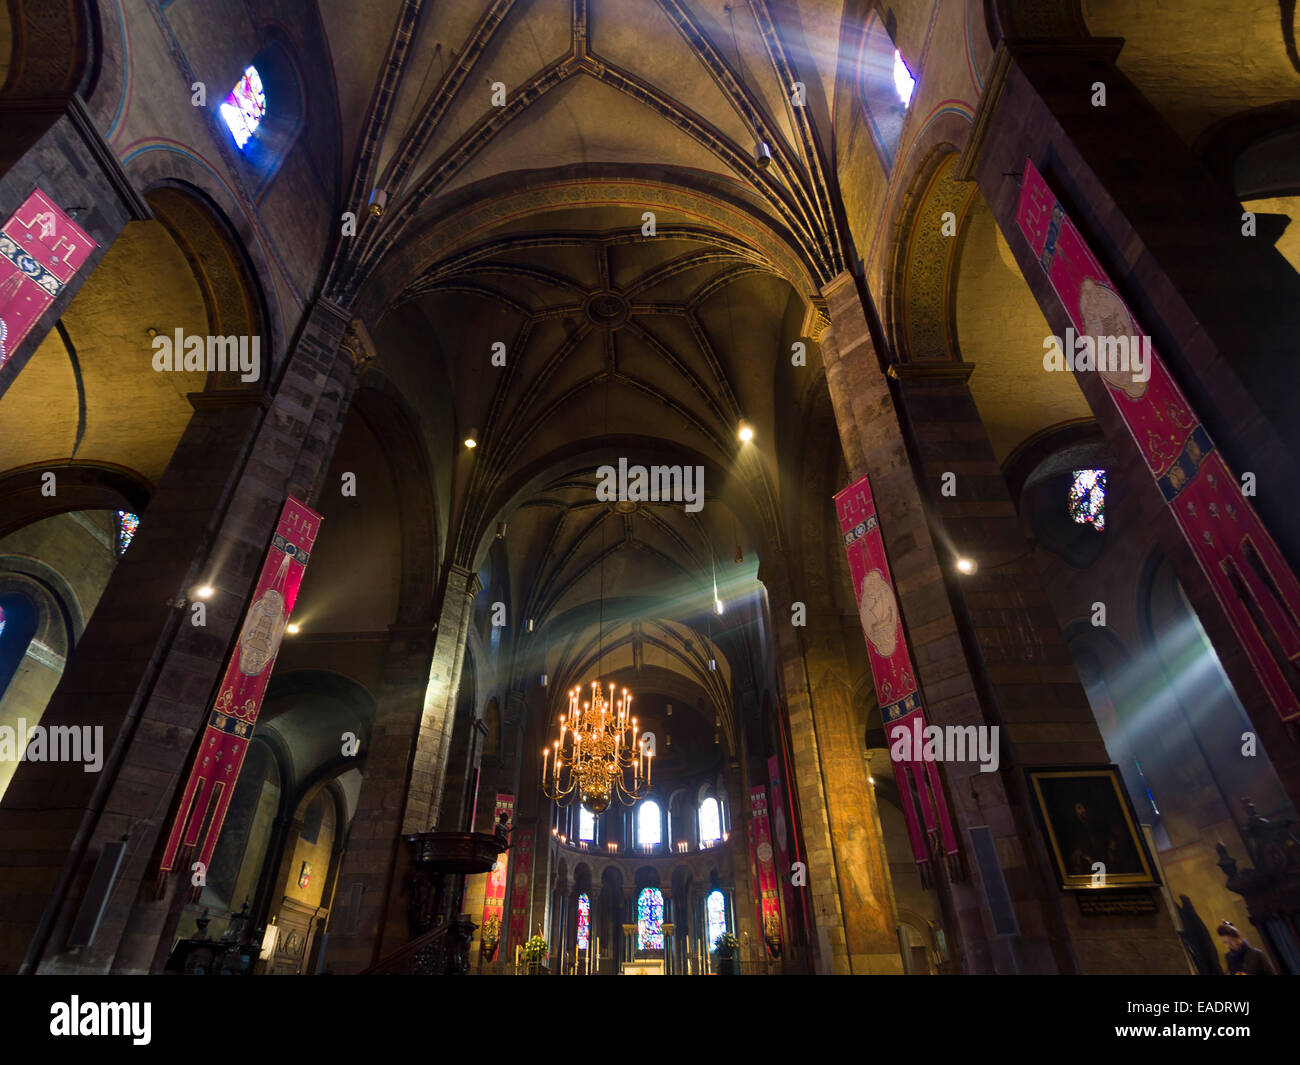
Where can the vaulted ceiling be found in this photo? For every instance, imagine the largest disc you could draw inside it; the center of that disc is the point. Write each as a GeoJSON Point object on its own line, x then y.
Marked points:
{"type": "Point", "coordinates": [459, 93]}
{"type": "Point", "coordinates": [571, 186]}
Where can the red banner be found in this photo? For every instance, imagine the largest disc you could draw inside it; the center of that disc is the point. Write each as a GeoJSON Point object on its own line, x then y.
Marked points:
{"type": "Point", "coordinates": [494, 896]}
{"type": "Point", "coordinates": [1247, 572]}
{"type": "Point", "coordinates": [41, 248]}
{"type": "Point", "coordinates": [769, 906]}
{"type": "Point", "coordinates": [782, 827]}
{"type": "Point", "coordinates": [892, 672]}
{"type": "Point", "coordinates": [522, 846]}
{"type": "Point", "coordinates": [239, 698]}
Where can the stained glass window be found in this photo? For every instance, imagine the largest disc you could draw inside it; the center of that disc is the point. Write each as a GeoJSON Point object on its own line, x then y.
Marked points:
{"type": "Point", "coordinates": [648, 832]}
{"type": "Point", "coordinates": [710, 821]}
{"type": "Point", "coordinates": [584, 921]}
{"type": "Point", "coordinates": [586, 825]}
{"type": "Point", "coordinates": [650, 920]}
{"type": "Point", "coordinates": [244, 106]}
{"type": "Point", "coordinates": [904, 83]}
{"type": "Point", "coordinates": [1088, 498]}
{"type": "Point", "coordinates": [715, 913]}
{"type": "Point", "coordinates": [127, 523]}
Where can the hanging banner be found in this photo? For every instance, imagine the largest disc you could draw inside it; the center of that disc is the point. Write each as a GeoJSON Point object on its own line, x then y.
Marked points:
{"type": "Point", "coordinates": [760, 837]}
{"type": "Point", "coordinates": [494, 896]}
{"type": "Point", "coordinates": [522, 881]}
{"type": "Point", "coordinates": [41, 249]}
{"type": "Point", "coordinates": [1244, 567]}
{"type": "Point", "coordinates": [782, 824]}
{"type": "Point", "coordinates": [894, 677]}
{"type": "Point", "coordinates": [785, 807]}
{"type": "Point", "coordinates": [239, 698]}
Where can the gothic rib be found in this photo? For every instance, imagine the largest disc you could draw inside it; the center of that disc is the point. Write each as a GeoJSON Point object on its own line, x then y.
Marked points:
{"type": "Point", "coordinates": [788, 73]}
{"type": "Point", "coordinates": [740, 98]}
{"type": "Point", "coordinates": [376, 124]}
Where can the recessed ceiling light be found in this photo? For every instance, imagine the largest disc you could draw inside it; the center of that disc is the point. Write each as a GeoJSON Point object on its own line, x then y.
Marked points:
{"type": "Point", "coordinates": [471, 441]}
{"type": "Point", "coordinates": [204, 591]}
{"type": "Point", "coordinates": [966, 565]}
{"type": "Point", "coordinates": [746, 433]}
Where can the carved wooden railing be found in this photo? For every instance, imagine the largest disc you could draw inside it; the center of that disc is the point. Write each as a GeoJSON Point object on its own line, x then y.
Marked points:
{"type": "Point", "coordinates": [442, 951]}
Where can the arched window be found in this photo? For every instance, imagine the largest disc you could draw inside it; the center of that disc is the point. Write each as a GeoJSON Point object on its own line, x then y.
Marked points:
{"type": "Point", "coordinates": [584, 921]}
{"type": "Point", "coordinates": [19, 620]}
{"type": "Point", "coordinates": [885, 87]}
{"type": "Point", "coordinates": [904, 83]}
{"type": "Point", "coordinates": [1088, 498]}
{"type": "Point", "coordinates": [710, 821]}
{"type": "Point", "coordinates": [266, 111]}
{"type": "Point", "coordinates": [586, 825]}
{"type": "Point", "coordinates": [649, 831]}
{"type": "Point", "coordinates": [650, 920]}
{"type": "Point", "coordinates": [127, 523]}
{"type": "Point", "coordinates": [244, 106]}
{"type": "Point", "coordinates": [715, 915]}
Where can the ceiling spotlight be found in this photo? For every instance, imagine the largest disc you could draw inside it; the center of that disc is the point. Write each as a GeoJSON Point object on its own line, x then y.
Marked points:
{"type": "Point", "coordinates": [293, 629]}
{"type": "Point", "coordinates": [763, 154]}
{"type": "Point", "coordinates": [471, 441]}
{"type": "Point", "coordinates": [746, 433]}
{"type": "Point", "coordinates": [717, 606]}
{"type": "Point", "coordinates": [378, 201]}
{"type": "Point", "coordinates": [204, 592]}
{"type": "Point", "coordinates": [966, 565]}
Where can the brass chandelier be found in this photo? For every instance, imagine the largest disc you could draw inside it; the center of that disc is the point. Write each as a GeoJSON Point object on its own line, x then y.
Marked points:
{"type": "Point", "coordinates": [598, 757]}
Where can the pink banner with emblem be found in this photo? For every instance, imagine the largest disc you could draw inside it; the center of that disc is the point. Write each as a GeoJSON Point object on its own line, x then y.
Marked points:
{"type": "Point", "coordinates": [782, 826]}
{"type": "Point", "coordinates": [1247, 572]}
{"type": "Point", "coordinates": [494, 896]}
{"type": "Point", "coordinates": [769, 905]}
{"type": "Point", "coordinates": [41, 248]}
{"type": "Point", "coordinates": [225, 740]}
{"type": "Point", "coordinates": [522, 846]}
{"type": "Point", "coordinates": [892, 672]}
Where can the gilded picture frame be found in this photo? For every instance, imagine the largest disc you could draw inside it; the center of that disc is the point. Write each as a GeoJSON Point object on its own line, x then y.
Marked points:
{"type": "Point", "coordinates": [1091, 831]}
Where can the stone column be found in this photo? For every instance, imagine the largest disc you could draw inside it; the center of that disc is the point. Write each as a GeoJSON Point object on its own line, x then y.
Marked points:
{"type": "Point", "coordinates": [1222, 309]}
{"type": "Point", "coordinates": [52, 144]}
{"type": "Point", "coordinates": [852, 904]}
{"type": "Point", "coordinates": [144, 674]}
{"type": "Point", "coordinates": [986, 649]}
{"type": "Point", "coordinates": [427, 777]}
{"type": "Point", "coordinates": [743, 884]}
{"type": "Point", "coordinates": [376, 856]}
{"type": "Point", "coordinates": [670, 927]}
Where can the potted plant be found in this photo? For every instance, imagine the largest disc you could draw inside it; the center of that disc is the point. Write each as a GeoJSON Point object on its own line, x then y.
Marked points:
{"type": "Point", "coordinates": [491, 937]}
{"type": "Point", "coordinates": [534, 955]}
{"type": "Point", "coordinates": [727, 947]}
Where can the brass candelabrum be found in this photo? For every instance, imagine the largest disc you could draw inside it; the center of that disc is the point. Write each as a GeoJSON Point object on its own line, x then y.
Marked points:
{"type": "Point", "coordinates": [599, 757]}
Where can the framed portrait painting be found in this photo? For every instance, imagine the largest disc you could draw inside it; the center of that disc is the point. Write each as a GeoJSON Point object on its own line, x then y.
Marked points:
{"type": "Point", "coordinates": [1091, 832]}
